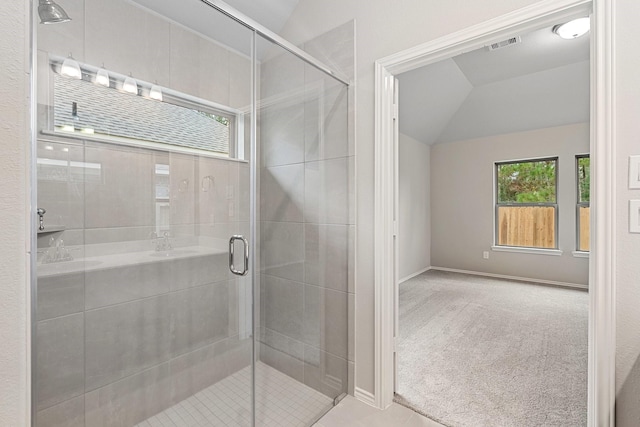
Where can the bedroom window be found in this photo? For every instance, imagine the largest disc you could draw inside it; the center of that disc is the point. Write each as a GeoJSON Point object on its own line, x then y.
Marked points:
{"type": "Point", "coordinates": [583, 180]}
{"type": "Point", "coordinates": [526, 207]}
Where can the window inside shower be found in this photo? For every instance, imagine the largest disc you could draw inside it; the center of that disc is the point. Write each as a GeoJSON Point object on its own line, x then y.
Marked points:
{"type": "Point", "coordinates": [86, 108]}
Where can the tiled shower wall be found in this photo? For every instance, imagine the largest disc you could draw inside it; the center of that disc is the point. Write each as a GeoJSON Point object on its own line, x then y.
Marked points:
{"type": "Point", "coordinates": [114, 346]}
{"type": "Point", "coordinates": [135, 339]}
{"type": "Point", "coordinates": [307, 215]}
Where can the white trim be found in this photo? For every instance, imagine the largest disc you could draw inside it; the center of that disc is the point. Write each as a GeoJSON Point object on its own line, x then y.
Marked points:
{"type": "Point", "coordinates": [602, 274]}
{"type": "Point", "coordinates": [519, 279]}
{"type": "Point", "coordinates": [522, 250]}
{"type": "Point", "coordinates": [384, 270]}
{"type": "Point", "coordinates": [601, 383]}
{"type": "Point", "coordinates": [411, 276]}
{"type": "Point", "coordinates": [580, 254]}
{"type": "Point", "coordinates": [364, 396]}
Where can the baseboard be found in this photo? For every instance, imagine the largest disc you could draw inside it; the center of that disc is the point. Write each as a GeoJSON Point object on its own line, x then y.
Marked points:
{"type": "Point", "coordinates": [522, 279]}
{"type": "Point", "coordinates": [411, 276]}
{"type": "Point", "coordinates": [365, 397]}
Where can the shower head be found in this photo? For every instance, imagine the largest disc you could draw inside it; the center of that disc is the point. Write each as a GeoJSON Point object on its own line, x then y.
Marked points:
{"type": "Point", "coordinates": [51, 13]}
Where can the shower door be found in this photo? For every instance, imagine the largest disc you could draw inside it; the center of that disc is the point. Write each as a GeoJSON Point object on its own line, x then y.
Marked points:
{"type": "Point", "coordinates": [302, 259]}
{"type": "Point", "coordinates": [143, 176]}
{"type": "Point", "coordinates": [194, 224]}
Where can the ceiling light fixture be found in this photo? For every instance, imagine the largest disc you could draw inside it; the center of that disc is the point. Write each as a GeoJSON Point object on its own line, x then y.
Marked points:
{"type": "Point", "coordinates": [155, 92]}
{"type": "Point", "coordinates": [71, 68]}
{"type": "Point", "coordinates": [102, 77]}
{"type": "Point", "coordinates": [51, 13]}
{"type": "Point", "coordinates": [572, 29]}
{"type": "Point", "coordinates": [130, 85]}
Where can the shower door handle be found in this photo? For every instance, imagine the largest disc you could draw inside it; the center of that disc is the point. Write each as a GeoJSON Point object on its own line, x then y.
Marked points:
{"type": "Point", "coordinates": [232, 241]}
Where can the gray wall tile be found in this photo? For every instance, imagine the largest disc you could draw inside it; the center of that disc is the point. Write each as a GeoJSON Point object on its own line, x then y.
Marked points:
{"type": "Point", "coordinates": [119, 199]}
{"type": "Point", "coordinates": [326, 132]}
{"type": "Point", "coordinates": [326, 192]}
{"type": "Point", "coordinates": [124, 339]}
{"type": "Point", "coordinates": [326, 255]}
{"type": "Point", "coordinates": [282, 305]}
{"type": "Point", "coordinates": [282, 193]}
{"type": "Point", "coordinates": [196, 271]}
{"type": "Point", "coordinates": [197, 370]}
{"type": "Point", "coordinates": [282, 362]}
{"type": "Point", "coordinates": [130, 400]}
{"type": "Point", "coordinates": [60, 360]}
{"type": "Point", "coordinates": [336, 48]}
{"type": "Point", "coordinates": [198, 316]}
{"type": "Point", "coordinates": [66, 414]}
{"type": "Point", "coordinates": [60, 295]}
{"type": "Point", "coordinates": [351, 331]}
{"type": "Point", "coordinates": [326, 320]}
{"type": "Point", "coordinates": [282, 249]}
{"type": "Point", "coordinates": [325, 372]}
{"type": "Point", "coordinates": [125, 283]}
{"type": "Point", "coordinates": [282, 134]}
{"type": "Point", "coordinates": [143, 40]}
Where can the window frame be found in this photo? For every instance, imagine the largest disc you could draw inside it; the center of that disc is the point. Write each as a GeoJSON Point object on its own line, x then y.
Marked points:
{"type": "Point", "coordinates": [498, 205]}
{"type": "Point", "coordinates": [580, 204]}
{"type": "Point", "coordinates": [236, 117]}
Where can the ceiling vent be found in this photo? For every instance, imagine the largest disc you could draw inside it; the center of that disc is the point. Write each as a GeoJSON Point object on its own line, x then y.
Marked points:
{"type": "Point", "coordinates": [504, 43]}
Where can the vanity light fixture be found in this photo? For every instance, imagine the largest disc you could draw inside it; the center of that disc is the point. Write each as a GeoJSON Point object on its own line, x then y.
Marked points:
{"type": "Point", "coordinates": [155, 92]}
{"type": "Point", "coordinates": [71, 68]}
{"type": "Point", "coordinates": [130, 85]}
{"type": "Point", "coordinates": [51, 13]}
{"type": "Point", "coordinates": [572, 29]}
{"type": "Point", "coordinates": [102, 77]}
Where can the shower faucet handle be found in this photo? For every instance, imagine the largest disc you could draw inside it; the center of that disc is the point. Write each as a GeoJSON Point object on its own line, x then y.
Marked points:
{"type": "Point", "coordinates": [41, 212]}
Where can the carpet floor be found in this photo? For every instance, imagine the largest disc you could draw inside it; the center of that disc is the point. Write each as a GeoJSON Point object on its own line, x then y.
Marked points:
{"type": "Point", "coordinates": [476, 351]}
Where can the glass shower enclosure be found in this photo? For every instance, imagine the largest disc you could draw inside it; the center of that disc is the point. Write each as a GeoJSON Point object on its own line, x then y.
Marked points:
{"type": "Point", "coordinates": [192, 198]}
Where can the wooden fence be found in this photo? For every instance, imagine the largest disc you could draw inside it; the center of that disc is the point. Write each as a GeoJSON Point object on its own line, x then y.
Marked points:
{"type": "Point", "coordinates": [533, 226]}
{"type": "Point", "coordinates": [585, 218]}
{"type": "Point", "coordinates": [529, 226]}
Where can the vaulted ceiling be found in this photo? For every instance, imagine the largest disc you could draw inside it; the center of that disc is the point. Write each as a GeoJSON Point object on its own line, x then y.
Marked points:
{"type": "Point", "coordinates": [542, 81]}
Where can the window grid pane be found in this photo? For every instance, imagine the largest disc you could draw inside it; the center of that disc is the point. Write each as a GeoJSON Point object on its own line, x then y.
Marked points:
{"type": "Point", "coordinates": [526, 209]}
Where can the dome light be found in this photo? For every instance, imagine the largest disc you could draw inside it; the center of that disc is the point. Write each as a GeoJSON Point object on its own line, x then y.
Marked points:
{"type": "Point", "coordinates": [573, 29]}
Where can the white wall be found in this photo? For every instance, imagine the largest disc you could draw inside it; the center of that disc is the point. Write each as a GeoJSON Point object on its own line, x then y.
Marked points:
{"type": "Point", "coordinates": [462, 200]}
{"type": "Point", "coordinates": [627, 127]}
{"type": "Point", "coordinates": [14, 144]}
{"type": "Point", "coordinates": [414, 216]}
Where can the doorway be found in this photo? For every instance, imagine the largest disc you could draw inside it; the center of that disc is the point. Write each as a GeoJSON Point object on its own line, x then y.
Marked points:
{"type": "Point", "coordinates": [600, 310]}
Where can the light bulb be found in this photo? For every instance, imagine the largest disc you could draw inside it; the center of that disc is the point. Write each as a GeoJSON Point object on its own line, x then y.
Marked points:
{"type": "Point", "coordinates": [71, 68]}
{"type": "Point", "coordinates": [102, 77]}
{"type": "Point", "coordinates": [155, 93]}
{"type": "Point", "coordinates": [130, 85]}
{"type": "Point", "coordinates": [573, 29]}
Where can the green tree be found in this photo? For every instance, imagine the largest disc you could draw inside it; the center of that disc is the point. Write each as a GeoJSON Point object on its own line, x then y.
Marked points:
{"type": "Point", "coordinates": [584, 178]}
{"type": "Point", "coordinates": [527, 182]}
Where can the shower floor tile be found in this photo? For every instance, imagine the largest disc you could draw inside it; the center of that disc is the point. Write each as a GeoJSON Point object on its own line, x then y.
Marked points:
{"type": "Point", "coordinates": [281, 401]}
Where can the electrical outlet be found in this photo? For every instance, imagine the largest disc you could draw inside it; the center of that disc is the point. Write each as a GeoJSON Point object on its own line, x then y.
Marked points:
{"type": "Point", "coordinates": [485, 254]}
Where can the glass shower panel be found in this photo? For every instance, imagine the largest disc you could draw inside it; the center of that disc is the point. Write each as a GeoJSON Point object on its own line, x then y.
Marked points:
{"type": "Point", "coordinates": [139, 320]}
{"type": "Point", "coordinates": [301, 292]}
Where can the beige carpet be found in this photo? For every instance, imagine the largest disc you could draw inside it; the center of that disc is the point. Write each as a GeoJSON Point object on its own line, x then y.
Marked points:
{"type": "Point", "coordinates": [477, 351]}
